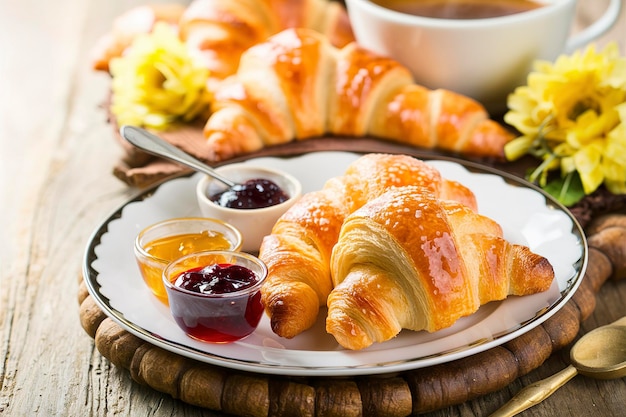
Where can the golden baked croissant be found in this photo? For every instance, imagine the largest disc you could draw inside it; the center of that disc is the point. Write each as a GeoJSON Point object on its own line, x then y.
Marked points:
{"type": "Point", "coordinates": [410, 260]}
{"type": "Point", "coordinates": [296, 85]}
{"type": "Point", "coordinates": [298, 250]}
{"type": "Point", "coordinates": [218, 31]}
{"type": "Point", "coordinates": [221, 30]}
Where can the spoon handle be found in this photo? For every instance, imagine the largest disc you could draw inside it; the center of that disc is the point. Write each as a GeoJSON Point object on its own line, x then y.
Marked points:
{"type": "Point", "coordinates": [535, 393]}
{"type": "Point", "coordinates": [153, 144]}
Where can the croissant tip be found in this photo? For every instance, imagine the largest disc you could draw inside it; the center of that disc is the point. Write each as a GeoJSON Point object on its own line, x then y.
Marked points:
{"type": "Point", "coordinates": [287, 323]}
{"type": "Point", "coordinates": [540, 273]}
{"type": "Point", "coordinates": [347, 332]}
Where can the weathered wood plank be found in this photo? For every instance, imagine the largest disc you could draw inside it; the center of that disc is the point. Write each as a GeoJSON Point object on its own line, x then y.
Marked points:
{"type": "Point", "coordinates": [56, 155]}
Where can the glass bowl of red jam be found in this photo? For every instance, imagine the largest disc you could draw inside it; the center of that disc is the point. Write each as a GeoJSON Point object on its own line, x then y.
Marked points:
{"type": "Point", "coordinates": [215, 296]}
{"type": "Point", "coordinates": [261, 196]}
{"type": "Point", "coordinates": [159, 244]}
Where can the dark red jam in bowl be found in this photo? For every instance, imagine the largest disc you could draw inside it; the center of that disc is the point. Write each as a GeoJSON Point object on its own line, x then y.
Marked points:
{"type": "Point", "coordinates": [223, 316]}
{"type": "Point", "coordinates": [216, 279]}
{"type": "Point", "coordinates": [252, 194]}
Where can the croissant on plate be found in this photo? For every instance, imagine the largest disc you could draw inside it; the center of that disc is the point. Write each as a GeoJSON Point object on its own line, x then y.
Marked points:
{"type": "Point", "coordinates": [297, 85]}
{"type": "Point", "coordinates": [298, 250]}
{"type": "Point", "coordinates": [410, 260]}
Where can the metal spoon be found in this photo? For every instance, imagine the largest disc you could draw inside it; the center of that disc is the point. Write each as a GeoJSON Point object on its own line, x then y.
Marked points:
{"type": "Point", "coordinates": [153, 144]}
{"type": "Point", "coordinates": [600, 354]}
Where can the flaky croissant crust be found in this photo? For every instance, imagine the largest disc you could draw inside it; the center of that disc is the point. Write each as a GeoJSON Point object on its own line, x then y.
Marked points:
{"type": "Point", "coordinates": [298, 250]}
{"type": "Point", "coordinates": [296, 85]}
{"type": "Point", "coordinates": [410, 260]}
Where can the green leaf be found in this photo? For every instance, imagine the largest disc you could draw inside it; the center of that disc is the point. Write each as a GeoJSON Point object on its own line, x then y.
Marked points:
{"type": "Point", "coordinates": [567, 190]}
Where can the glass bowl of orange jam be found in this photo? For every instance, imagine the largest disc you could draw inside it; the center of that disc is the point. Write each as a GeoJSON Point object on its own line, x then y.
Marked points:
{"type": "Point", "coordinates": [161, 243]}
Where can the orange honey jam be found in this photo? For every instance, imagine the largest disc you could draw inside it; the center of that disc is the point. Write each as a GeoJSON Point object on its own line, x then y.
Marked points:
{"type": "Point", "coordinates": [156, 254]}
{"type": "Point", "coordinates": [172, 247]}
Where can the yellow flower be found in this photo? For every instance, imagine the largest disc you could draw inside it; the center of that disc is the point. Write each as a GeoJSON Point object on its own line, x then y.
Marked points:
{"type": "Point", "coordinates": [156, 82]}
{"type": "Point", "coordinates": [572, 115]}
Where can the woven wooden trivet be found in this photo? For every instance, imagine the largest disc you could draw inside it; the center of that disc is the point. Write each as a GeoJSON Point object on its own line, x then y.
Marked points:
{"type": "Point", "coordinates": [408, 393]}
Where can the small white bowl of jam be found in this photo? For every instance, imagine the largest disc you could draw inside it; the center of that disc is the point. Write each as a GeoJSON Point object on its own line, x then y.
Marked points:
{"type": "Point", "coordinates": [215, 296]}
{"type": "Point", "coordinates": [161, 243]}
{"type": "Point", "coordinates": [254, 205]}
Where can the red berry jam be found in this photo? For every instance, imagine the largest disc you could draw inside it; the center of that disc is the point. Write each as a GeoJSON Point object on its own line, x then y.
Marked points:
{"type": "Point", "coordinates": [252, 194]}
{"type": "Point", "coordinates": [216, 279]}
{"type": "Point", "coordinates": [218, 319]}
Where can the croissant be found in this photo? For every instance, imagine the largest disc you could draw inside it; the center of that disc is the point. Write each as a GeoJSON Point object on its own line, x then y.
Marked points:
{"type": "Point", "coordinates": [221, 30]}
{"type": "Point", "coordinates": [218, 31]}
{"type": "Point", "coordinates": [297, 85]}
{"type": "Point", "coordinates": [128, 26]}
{"type": "Point", "coordinates": [298, 250]}
{"type": "Point", "coordinates": [410, 260]}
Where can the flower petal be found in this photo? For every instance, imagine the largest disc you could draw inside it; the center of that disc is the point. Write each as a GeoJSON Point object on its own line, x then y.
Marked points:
{"type": "Point", "coordinates": [157, 82]}
{"type": "Point", "coordinates": [571, 115]}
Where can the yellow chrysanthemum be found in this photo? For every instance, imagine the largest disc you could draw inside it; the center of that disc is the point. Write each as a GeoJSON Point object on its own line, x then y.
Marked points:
{"type": "Point", "coordinates": [572, 115]}
{"type": "Point", "coordinates": [156, 82]}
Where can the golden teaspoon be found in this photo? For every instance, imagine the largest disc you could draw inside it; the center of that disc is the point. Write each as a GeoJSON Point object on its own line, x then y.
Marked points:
{"type": "Point", "coordinates": [600, 354]}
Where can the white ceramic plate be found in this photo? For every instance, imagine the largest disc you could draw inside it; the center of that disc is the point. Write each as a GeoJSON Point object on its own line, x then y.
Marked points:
{"type": "Point", "coordinates": [527, 215]}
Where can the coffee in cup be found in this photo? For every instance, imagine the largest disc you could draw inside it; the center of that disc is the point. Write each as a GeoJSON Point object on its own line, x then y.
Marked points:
{"type": "Point", "coordinates": [485, 58]}
{"type": "Point", "coordinates": [459, 9]}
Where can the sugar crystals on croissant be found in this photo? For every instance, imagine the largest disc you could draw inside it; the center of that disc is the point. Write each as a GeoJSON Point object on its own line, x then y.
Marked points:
{"type": "Point", "coordinates": [410, 260]}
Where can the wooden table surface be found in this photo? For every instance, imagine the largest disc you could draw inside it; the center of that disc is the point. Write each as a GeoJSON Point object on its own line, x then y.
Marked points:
{"type": "Point", "coordinates": [56, 157]}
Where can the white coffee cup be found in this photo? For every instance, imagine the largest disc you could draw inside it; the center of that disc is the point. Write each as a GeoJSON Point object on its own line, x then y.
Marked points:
{"type": "Point", "coordinates": [481, 58]}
